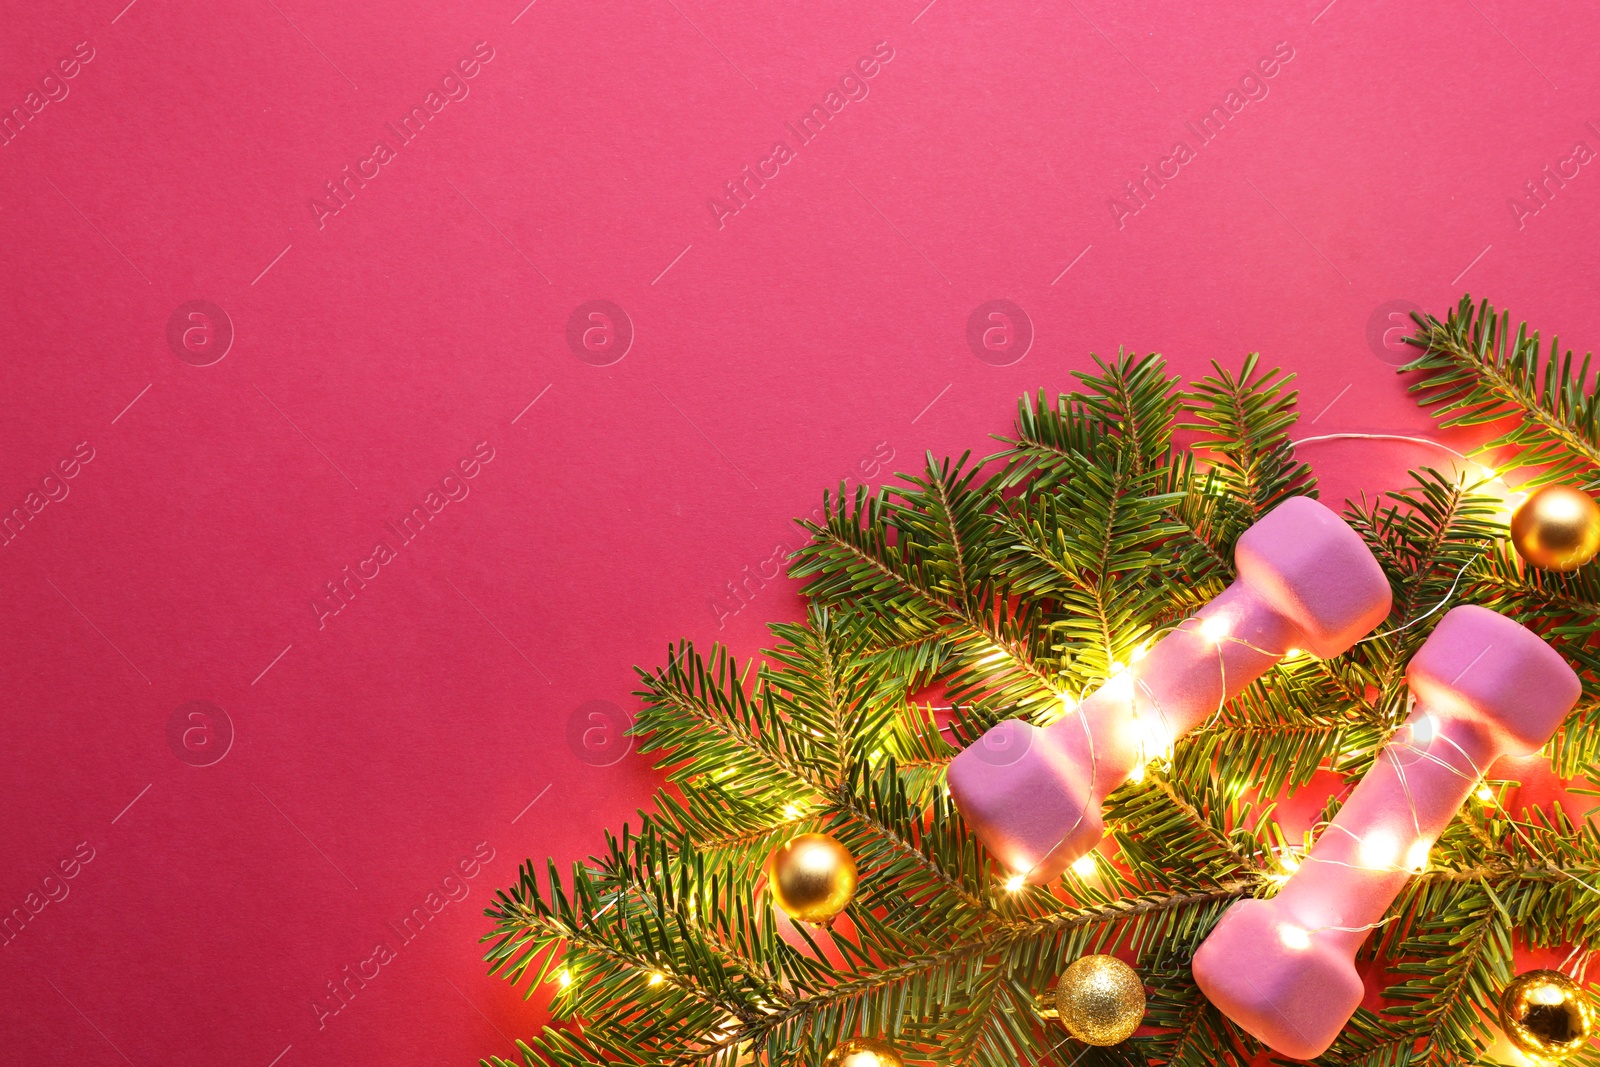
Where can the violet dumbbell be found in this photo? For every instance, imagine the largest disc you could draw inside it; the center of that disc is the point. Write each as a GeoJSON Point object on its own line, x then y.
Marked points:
{"type": "Point", "coordinates": [1033, 795]}
{"type": "Point", "coordinates": [1284, 969]}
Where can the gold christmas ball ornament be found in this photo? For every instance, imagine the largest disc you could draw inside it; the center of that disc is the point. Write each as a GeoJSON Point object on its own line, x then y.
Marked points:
{"type": "Point", "coordinates": [863, 1052]}
{"type": "Point", "coordinates": [1545, 1014]}
{"type": "Point", "coordinates": [1557, 528]}
{"type": "Point", "coordinates": [813, 877]}
{"type": "Point", "coordinates": [1101, 1000]}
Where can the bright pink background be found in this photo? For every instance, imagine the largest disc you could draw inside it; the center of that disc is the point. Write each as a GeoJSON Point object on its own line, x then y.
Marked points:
{"type": "Point", "coordinates": [824, 324]}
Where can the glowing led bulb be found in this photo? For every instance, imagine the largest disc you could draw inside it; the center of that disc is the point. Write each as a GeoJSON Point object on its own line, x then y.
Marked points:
{"type": "Point", "coordinates": [1417, 854]}
{"type": "Point", "coordinates": [1294, 937]}
{"type": "Point", "coordinates": [1424, 730]}
{"type": "Point", "coordinates": [791, 811]}
{"type": "Point", "coordinates": [1137, 774]}
{"type": "Point", "coordinates": [1083, 866]}
{"type": "Point", "coordinates": [1139, 653]}
{"type": "Point", "coordinates": [1214, 628]}
{"type": "Point", "coordinates": [1151, 734]}
{"type": "Point", "coordinates": [1291, 862]}
{"type": "Point", "coordinates": [1014, 883]}
{"type": "Point", "coordinates": [564, 977]}
{"type": "Point", "coordinates": [656, 978]}
{"type": "Point", "coordinates": [1379, 850]}
{"type": "Point", "coordinates": [1485, 794]}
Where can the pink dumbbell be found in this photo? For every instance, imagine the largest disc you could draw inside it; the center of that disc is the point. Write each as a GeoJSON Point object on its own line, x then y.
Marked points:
{"type": "Point", "coordinates": [1033, 795]}
{"type": "Point", "coordinates": [1284, 968]}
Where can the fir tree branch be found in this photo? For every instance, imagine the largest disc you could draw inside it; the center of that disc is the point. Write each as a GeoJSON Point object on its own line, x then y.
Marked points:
{"type": "Point", "coordinates": [1475, 372]}
{"type": "Point", "coordinates": [970, 622]}
{"type": "Point", "coordinates": [1244, 421]}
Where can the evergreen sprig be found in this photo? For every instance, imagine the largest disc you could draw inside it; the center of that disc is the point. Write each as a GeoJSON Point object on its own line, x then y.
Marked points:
{"type": "Point", "coordinates": [1543, 405]}
{"type": "Point", "coordinates": [972, 591]}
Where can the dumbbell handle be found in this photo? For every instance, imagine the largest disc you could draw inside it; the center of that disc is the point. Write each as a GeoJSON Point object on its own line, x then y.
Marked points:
{"type": "Point", "coordinates": [1039, 822]}
{"type": "Point", "coordinates": [1382, 834]}
{"type": "Point", "coordinates": [1180, 683]}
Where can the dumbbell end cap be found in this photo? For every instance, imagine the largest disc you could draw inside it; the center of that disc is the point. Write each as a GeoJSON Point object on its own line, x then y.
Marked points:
{"type": "Point", "coordinates": [1316, 571]}
{"type": "Point", "coordinates": [1284, 985]}
{"type": "Point", "coordinates": [1024, 795]}
{"type": "Point", "coordinates": [1480, 664]}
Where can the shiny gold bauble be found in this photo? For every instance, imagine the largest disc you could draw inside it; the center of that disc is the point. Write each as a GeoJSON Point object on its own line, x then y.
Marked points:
{"type": "Point", "coordinates": [1557, 528]}
{"type": "Point", "coordinates": [863, 1052]}
{"type": "Point", "coordinates": [1545, 1014]}
{"type": "Point", "coordinates": [1101, 1000]}
{"type": "Point", "coordinates": [813, 877]}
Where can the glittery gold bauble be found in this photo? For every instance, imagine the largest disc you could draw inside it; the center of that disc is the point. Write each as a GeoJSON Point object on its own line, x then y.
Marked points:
{"type": "Point", "coordinates": [1101, 1000]}
{"type": "Point", "coordinates": [813, 877]}
{"type": "Point", "coordinates": [1557, 528]}
{"type": "Point", "coordinates": [863, 1052]}
{"type": "Point", "coordinates": [1544, 1014]}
